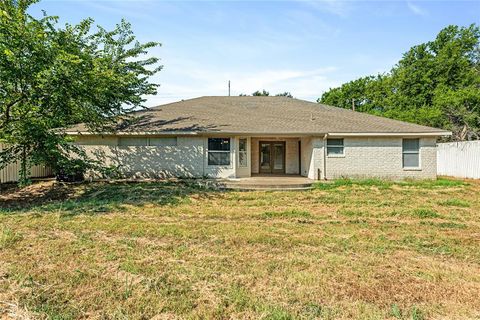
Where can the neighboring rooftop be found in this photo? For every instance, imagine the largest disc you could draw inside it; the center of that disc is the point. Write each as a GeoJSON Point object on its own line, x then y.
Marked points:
{"type": "Point", "coordinates": [257, 115]}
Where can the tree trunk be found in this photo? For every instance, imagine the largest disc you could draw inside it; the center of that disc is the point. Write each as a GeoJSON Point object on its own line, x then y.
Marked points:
{"type": "Point", "coordinates": [24, 169]}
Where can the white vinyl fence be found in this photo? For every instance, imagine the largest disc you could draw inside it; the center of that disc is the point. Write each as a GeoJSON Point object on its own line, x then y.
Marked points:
{"type": "Point", "coordinates": [10, 172]}
{"type": "Point", "coordinates": [459, 159]}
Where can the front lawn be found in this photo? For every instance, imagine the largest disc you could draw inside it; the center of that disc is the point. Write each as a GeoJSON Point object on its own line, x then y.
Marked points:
{"type": "Point", "coordinates": [351, 249]}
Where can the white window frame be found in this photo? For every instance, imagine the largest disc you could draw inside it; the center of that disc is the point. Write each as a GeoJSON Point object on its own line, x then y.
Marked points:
{"type": "Point", "coordinates": [244, 152]}
{"type": "Point", "coordinates": [336, 155]}
{"type": "Point", "coordinates": [220, 151]}
{"type": "Point", "coordinates": [419, 167]}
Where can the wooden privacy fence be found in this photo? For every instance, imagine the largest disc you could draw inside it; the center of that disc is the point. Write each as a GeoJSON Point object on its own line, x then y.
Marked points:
{"type": "Point", "coordinates": [459, 159]}
{"type": "Point", "coordinates": [10, 172]}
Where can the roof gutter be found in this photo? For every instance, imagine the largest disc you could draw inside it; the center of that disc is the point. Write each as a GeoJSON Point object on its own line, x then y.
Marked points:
{"type": "Point", "coordinates": [133, 133]}
{"type": "Point", "coordinates": [265, 134]}
{"type": "Point", "coordinates": [390, 134]}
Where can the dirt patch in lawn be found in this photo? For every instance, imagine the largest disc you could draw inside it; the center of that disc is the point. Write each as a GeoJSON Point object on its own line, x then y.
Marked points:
{"type": "Point", "coordinates": [39, 193]}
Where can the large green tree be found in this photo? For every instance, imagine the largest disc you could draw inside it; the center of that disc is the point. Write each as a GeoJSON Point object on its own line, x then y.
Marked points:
{"type": "Point", "coordinates": [52, 76]}
{"type": "Point", "coordinates": [435, 83]}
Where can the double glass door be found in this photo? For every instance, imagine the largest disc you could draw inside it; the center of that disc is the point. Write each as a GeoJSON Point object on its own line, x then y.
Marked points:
{"type": "Point", "coordinates": [272, 157]}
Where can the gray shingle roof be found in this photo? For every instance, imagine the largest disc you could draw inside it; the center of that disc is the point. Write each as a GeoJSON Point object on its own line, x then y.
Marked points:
{"type": "Point", "coordinates": [257, 115]}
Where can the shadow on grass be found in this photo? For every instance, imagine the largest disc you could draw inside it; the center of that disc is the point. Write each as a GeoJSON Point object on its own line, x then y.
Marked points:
{"type": "Point", "coordinates": [100, 197]}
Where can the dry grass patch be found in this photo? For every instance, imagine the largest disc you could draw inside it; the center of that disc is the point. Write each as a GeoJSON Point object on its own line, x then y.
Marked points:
{"type": "Point", "coordinates": [352, 249]}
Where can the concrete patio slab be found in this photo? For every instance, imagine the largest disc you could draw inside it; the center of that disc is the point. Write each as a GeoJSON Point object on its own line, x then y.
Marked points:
{"type": "Point", "coordinates": [270, 182]}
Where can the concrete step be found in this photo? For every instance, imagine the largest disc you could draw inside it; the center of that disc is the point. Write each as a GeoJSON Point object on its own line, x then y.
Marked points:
{"type": "Point", "coordinates": [267, 187]}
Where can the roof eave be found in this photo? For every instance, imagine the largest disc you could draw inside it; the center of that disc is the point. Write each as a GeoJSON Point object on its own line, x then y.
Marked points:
{"type": "Point", "coordinates": [238, 133]}
{"type": "Point", "coordinates": [390, 134]}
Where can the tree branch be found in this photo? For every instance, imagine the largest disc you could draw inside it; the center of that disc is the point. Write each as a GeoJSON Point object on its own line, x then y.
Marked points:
{"type": "Point", "coordinates": [7, 111]}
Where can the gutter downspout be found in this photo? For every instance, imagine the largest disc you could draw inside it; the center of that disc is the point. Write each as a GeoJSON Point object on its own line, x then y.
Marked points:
{"type": "Point", "coordinates": [204, 155]}
{"type": "Point", "coordinates": [325, 156]}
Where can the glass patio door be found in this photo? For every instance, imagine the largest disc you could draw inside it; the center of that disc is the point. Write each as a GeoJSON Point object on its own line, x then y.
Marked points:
{"type": "Point", "coordinates": [272, 157]}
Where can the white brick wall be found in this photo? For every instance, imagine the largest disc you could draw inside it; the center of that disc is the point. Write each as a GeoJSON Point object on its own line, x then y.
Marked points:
{"type": "Point", "coordinates": [307, 156]}
{"type": "Point", "coordinates": [291, 156]}
{"type": "Point", "coordinates": [364, 157]}
{"type": "Point", "coordinates": [187, 159]}
{"type": "Point", "coordinates": [374, 157]}
{"type": "Point", "coordinates": [317, 159]}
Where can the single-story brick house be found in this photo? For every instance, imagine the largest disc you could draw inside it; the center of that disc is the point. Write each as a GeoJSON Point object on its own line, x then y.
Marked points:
{"type": "Point", "coordinates": [235, 137]}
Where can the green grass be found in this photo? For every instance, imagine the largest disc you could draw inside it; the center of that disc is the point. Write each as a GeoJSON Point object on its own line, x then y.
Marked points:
{"type": "Point", "coordinates": [352, 213]}
{"type": "Point", "coordinates": [386, 184]}
{"type": "Point", "coordinates": [425, 213]}
{"type": "Point", "coordinates": [432, 184]}
{"type": "Point", "coordinates": [454, 203]}
{"type": "Point", "coordinates": [8, 237]}
{"type": "Point", "coordinates": [350, 182]}
{"type": "Point", "coordinates": [445, 225]}
{"type": "Point", "coordinates": [367, 249]}
{"type": "Point", "coordinates": [287, 214]}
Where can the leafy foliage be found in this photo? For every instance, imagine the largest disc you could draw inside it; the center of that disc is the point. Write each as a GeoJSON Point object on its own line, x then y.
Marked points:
{"type": "Point", "coordinates": [435, 83]}
{"type": "Point", "coordinates": [53, 77]}
{"type": "Point", "coordinates": [265, 93]}
{"type": "Point", "coordinates": [262, 93]}
{"type": "Point", "coordinates": [284, 94]}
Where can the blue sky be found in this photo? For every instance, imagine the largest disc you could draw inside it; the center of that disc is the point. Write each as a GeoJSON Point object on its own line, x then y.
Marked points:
{"type": "Point", "coordinates": [304, 47]}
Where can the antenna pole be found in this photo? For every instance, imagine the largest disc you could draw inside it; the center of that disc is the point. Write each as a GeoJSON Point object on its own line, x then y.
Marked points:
{"type": "Point", "coordinates": [229, 88]}
{"type": "Point", "coordinates": [353, 104]}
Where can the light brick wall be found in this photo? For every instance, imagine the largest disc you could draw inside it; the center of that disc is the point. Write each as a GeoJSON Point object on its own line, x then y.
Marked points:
{"type": "Point", "coordinates": [364, 157]}
{"type": "Point", "coordinates": [96, 140]}
{"type": "Point", "coordinates": [187, 159]}
{"type": "Point", "coordinates": [375, 157]}
{"type": "Point", "coordinates": [316, 165]}
{"type": "Point", "coordinates": [306, 156]}
{"type": "Point", "coordinates": [291, 156]}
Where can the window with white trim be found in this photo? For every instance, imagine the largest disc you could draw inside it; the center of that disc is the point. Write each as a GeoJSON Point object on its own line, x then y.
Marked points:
{"type": "Point", "coordinates": [242, 153]}
{"type": "Point", "coordinates": [411, 153]}
{"type": "Point", "coordinates": [218, 151]}
{"type": "Point", "coordinates": [335, 147]}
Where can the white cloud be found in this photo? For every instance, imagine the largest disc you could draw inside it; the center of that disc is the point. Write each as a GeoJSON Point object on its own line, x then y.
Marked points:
{"type": "Point", "coordinates": [415, 9]}
{"type": "Point", "coordinates": [188, 82]}
{"type": "Point", "coordinates": [298, 82]}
